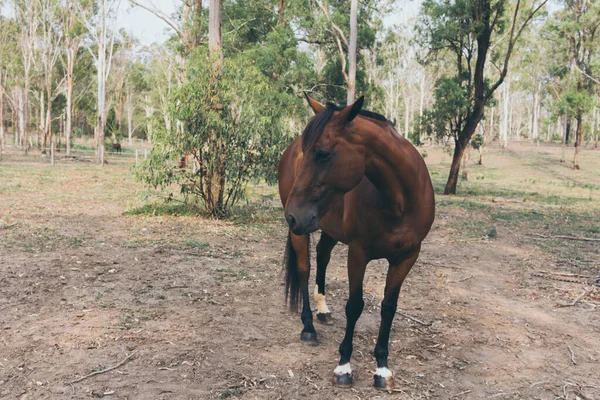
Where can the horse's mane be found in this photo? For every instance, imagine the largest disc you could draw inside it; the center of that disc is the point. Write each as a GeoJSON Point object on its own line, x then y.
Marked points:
{"type": "Point", "coordinates": [315, 127]}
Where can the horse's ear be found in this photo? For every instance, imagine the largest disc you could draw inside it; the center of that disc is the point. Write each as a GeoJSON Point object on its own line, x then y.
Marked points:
{"type": "Point", "coordinates": [350, 112]}
{"type": "Point", "coordinates": [315, 105]}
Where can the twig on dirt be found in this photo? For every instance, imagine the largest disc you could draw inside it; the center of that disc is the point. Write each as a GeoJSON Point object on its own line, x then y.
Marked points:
{"type": "Point", "coordinates": [412, 318]}
{"type": "Point", "coordinates": [461, 393]}
{"type": "Point", "coordinates": [465, 279]}
{"type": "Point", "coordinates": [102, 371]}
{"type": "Point", "coordinates": [398, 390]}
{"type": "Point", "coordinates": [537, 383]}
{"type": "Point", "coordinates": [7, 226]}
{"type": "Point", "coordinates": [572, 355]}
{"type": "Point", "coordinates": [586, 239]}
{"type": "Point", "coordinates": [564, 274]}
{"type": "Point", "coordinates": [581, 296]}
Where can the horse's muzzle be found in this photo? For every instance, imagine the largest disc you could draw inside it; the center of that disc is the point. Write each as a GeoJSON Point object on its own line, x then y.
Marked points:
{"type": "Point", "coordinates": [303, 224]}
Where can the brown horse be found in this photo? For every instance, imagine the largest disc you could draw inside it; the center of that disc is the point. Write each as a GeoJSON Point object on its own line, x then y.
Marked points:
{"type": "Point", "coordinates": [354, 177]}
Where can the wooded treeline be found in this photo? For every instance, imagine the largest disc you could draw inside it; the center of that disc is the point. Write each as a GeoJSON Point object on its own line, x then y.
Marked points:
{"type": "Point", "coordinates": [463, 73]}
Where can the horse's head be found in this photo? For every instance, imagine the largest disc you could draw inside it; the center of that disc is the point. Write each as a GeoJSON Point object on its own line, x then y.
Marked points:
{"type": "Point", "coordinates": [333, 163]}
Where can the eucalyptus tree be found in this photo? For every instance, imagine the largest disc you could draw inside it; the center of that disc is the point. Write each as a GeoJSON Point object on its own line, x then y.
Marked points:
{"type": "Point", "coordinates": [327, 26]}
{"type": "Point", "coordinates": [50, 43]}
{"type": "Point", "coordinates": [100, 21]}
{"type": "Point", "coordinates": [574, 31]}
{"type": "Point", "coordinates": [26, 15]}
{"type": "Point", "coordinates": [231, 136]}
{"type": "Point", "coordinates": [73, 32]}
{"type": "Point", "coordinates": [462, 33]}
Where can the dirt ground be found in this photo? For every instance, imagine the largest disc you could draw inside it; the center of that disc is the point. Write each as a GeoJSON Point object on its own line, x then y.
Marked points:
{"type": "Point", "coordinates": [197, 305]}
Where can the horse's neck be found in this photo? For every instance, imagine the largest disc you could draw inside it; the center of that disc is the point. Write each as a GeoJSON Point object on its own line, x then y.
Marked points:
{"type": "Point", "coordinates": [392, 167]}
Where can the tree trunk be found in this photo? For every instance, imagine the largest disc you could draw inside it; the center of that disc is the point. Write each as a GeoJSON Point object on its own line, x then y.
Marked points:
{"type": "Point", "coordinates": [567, 128]}
{"type": "Point", "coordinates": [281, 12]}
{"type": "Point", "coordinates": [22, 119]}
{"type": "Point", "coordinates": [578, 134]}
{"type": "Point", "coordinates": [491, 134]}
{"type": "Point", "coordinates": [465, 170]}
{"type": "Point", "coordinates": [421, 105]}
{"type": "Point", "coordinates": [459, 149]}
{"type": "Point", "coordinates": [41, 125]}
{"type": "Point", "coordinates": [118, 113]}
{"type": "Point", "coordinates": [1, 112]}
{"type": "Point", "coordinates": [352, 51]}
{"type": "Point", "coordinates": [197, 24]}
{"type": "Point", "coordinates": [594, 130]}
{"type": "Point", "coordinates": [129, 116]}
{"type": "Point", "coordinates": [69, 117]}
{"type": "Point", "coordinates": [214, 30]}
{"type": "Point", "coordinates": [48, 123]}
{"type": "Point", "coordinates": [505, 118]}
{"type": "Point", "coordinates": [406, 114]}
{"type": "Point", "coordinates": [149, 112]}
{"type": "Point", "coordinates": [535, 117]}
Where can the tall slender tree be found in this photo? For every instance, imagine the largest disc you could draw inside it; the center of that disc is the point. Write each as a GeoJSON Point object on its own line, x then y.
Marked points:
{"type": "Point", "coordinates": [352, 51]}
{"type": "Point", "coordinates": [51, 42]}
{"type": "Point", "coordinates": [101, 26]}
{"type": "Point", "coordinates": [26, 13]}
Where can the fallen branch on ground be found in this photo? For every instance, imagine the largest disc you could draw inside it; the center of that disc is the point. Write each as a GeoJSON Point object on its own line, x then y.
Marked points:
{"type": "Point", "coordinates": [507, 200]}
{"type": "Point", "coordinates": [461, 393]}
{"type": "Point", "coordinates": [572, 355]}
{"type": "Point", "coordinates": [103, 371]}
{"type": "Point", "coordinates": [7, 226]}
{"type": "Point", "coordinates": [586, 239]}
{"type": "Point", "coordinates": [564, 274]}
{"type": "Point", "coordinates": [412, 318]}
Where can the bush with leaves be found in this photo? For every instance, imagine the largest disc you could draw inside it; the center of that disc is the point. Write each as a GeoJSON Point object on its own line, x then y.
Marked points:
{"type": "Point", "coordinates": [232, 129]}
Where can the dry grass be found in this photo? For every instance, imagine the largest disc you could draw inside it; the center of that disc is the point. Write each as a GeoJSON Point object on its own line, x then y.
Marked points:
{"type": "Point", "coordinates": [94, 267]}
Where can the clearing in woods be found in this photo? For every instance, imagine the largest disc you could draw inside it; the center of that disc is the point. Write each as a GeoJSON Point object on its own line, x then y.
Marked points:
{"type": "Point", "coordinates": [89, 276]}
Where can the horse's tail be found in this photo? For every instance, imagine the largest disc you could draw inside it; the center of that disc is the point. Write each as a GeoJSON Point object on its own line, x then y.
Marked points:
{"type": "Point", "coordinates": [292, 280]}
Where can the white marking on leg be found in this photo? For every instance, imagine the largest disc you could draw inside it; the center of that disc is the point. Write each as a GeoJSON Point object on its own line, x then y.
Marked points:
{"type": "Point", "coordinates": [320, 300]}
{"type": "Point", "coordinates": [343, 369]}
{"type": "Point", "coordinates": [383, 372]}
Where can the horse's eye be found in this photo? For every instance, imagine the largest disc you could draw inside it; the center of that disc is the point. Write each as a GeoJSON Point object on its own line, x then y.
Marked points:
{"type": "Point", "coordinates": [323, 155]}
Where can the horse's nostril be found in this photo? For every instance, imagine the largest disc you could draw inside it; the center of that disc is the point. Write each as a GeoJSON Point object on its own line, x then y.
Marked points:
{"type": "Point", "coordinates": [291, 221]}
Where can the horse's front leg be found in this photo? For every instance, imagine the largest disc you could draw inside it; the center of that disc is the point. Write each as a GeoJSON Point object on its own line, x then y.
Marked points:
{"type": "Point", "coordinates": [357, 263]}
{"type": "Point", "coordinates": [326, 244]}
{"type": "Point", "coordinates": [397, 271]}
{"type": "Point", "coordinates": [301, 244]}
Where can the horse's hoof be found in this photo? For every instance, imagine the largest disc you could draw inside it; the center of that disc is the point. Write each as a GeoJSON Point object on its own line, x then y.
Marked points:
{"type": "Point", "coordinates": [309, 338]}
{"type": "Point", "coordinates": [325, 318]}
{"type": "Point", "coordinates": [382, 383]}
{"type": "Point", "coordinates": [344, 380]}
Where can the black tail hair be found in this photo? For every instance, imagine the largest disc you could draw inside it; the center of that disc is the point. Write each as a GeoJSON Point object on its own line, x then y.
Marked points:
{"type": "Point", "coordinates": [292, 280]}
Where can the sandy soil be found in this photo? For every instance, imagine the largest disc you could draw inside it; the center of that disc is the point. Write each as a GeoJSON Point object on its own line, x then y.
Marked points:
{"type": "Point", "coordinates": [198, 307]}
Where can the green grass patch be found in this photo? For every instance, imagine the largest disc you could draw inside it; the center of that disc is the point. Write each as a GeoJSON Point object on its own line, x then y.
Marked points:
{"type": "Point", "coordinates": [162, 207]}
{"type": "Point", "coordinates": [196, 244]}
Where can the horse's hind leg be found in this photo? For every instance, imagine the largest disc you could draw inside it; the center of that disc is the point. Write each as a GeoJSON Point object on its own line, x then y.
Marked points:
{"type": "Point", "coordinates": [301, 244]}
{"type": "Point", "coordinates": [326, 244]}
{"type": "Point", "coordinates": [397, 271]}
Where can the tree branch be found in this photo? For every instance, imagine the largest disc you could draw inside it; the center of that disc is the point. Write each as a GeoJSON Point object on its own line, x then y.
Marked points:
{"type": "Point", "coordinates": [160, 15]}
{"type": "Point", "coordinates": [511, 44]}
{"type": "Point", "coordinates": [338, 32]}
